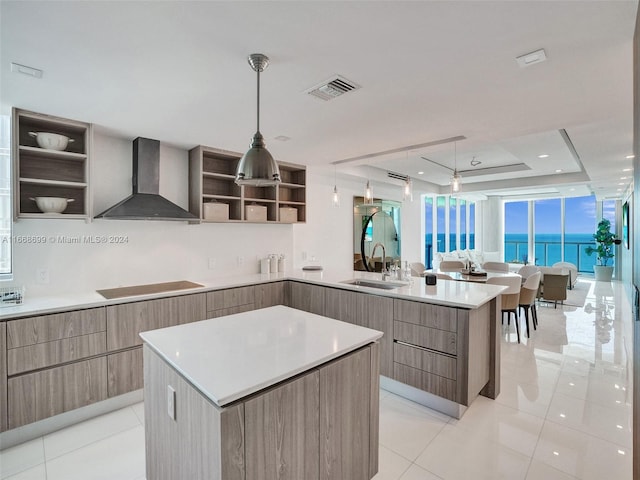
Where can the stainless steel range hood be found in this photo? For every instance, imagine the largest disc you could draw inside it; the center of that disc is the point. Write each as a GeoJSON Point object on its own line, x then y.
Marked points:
{"type": "Point", "coordinates": [145, 203]}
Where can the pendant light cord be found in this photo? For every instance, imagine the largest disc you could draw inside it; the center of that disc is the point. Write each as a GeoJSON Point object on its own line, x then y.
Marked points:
{"type": "Point", "coordinates": [258, 102]}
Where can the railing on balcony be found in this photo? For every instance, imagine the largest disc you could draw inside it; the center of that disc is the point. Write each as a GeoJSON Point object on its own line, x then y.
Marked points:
{"type": "Point", "coordinates": [550, 252]}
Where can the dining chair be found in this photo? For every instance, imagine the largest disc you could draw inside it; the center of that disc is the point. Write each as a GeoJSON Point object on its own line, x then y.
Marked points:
{"type": "Point", "coordinates": [573, 272]}
{"type": "Point", "coordinates": [451, 266]}
{"type": "Point", "coordinates": [510, 298]}
{"type": "Point", "coordinates": [495, 267]}
{"type": "Point", "coordinates": [527, 271]}
{"type": "Point", "coordinates": [417, 269]}
{"type": "Point", "coordinates": [444, 276]}
{"type": "Point", "coordinates": [528, 294]}
{"type": "Point", "coordinates": [554, 288]}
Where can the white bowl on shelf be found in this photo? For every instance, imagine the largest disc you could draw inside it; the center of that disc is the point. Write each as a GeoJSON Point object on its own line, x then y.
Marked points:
{"type": "Point", "coordinates": [51, 141]}
{"type": "Point", "coordinates": [52, 204]}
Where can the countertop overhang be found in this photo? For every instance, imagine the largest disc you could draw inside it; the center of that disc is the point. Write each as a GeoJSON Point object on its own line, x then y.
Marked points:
{"type": "Point", "coordinates": [230, 357]}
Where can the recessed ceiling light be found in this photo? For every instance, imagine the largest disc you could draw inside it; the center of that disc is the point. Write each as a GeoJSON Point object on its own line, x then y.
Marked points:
{"type": "Point", "coordinates": [420, 173]}
{"type": "Point", "coordinates": [621, 183]}
{"type": "Point", "coordinates": [559, 170]}
{"type": "Point", "coordinates": [627, 169]}
{"type": "Point", "coordinates": [623, 178]}
{"type": "Point", "coordinates": [621, 452]}
{"type": "Point", "coordinates": [282, 138]}
{"type": "Point", "coordinates": [629, 157]}
{"type": "Point", "coordinates": [531, 58]}
{"type": "Point", "coordinates": [619, 190]}
{"type": "Point", "coordinates": [544, 155]}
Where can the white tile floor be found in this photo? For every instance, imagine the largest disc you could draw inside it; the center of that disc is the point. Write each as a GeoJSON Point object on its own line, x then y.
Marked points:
{"type": "Point", "coordinates": [564, 413]}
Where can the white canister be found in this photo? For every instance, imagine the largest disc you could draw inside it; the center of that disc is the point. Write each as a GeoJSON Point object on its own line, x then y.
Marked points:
{"type": "Point", "coordinates": [274, 263]}
{"type": "Point", "coordinates": [281, 264]}
{"type": "Point", "coordinates": [265, 265]}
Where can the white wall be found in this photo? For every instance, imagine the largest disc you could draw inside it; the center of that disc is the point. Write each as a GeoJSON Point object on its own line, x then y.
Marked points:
{"type": "Point", "coordinates": [154, 251]}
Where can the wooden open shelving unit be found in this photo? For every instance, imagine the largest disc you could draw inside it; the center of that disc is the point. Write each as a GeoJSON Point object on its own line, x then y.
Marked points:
{"type": "Point", "coordinates": [212, 178]}
{"type": "Point", "coordinates": [40, 172]}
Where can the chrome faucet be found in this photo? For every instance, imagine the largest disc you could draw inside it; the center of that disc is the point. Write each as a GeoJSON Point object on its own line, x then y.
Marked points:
{"type": "Point", "coordinates": [385, 273]}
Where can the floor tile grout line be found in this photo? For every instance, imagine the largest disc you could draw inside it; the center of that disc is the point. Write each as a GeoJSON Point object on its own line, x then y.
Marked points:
{"type": "Point", "coordinates": [588, 434]}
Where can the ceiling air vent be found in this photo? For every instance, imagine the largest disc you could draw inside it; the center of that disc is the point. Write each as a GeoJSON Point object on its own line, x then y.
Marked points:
{"type": "Point", "coordinates": [332, 88]}
{"type": "Point", "coordinates": [397, 176]}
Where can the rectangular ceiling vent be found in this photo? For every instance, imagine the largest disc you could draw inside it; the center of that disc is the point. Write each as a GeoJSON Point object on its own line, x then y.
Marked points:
{"type": "Point", "coordinates": [332, 88]}
{"type": "Point", "coordinates": [397, 176]}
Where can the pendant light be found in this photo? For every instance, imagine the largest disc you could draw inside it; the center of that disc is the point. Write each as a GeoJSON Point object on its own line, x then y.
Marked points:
{"type": "Point", "coordinates": [335, 198]}
{"type": "Point", "coordinates": [456, 179]}
{"type": "Point", "coordinates": [368, 193]}
{"type": "Point", "coordinates": [257, 167]}
{"type": "Point", "coordinates": [407, 190]}
{"type": "Point", "coordinates": [407, 187]}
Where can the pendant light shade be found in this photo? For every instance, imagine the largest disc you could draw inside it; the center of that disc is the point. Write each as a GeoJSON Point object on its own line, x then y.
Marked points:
{"type": "Point", "coordinates": [456, 179]}
{"type": "Point", "coordinates": [407, 190]}
{"type": "Point", "coordinates": [368, 194]}
{"type": "Point", "coordinates": [335, 196]}
{"type": "Point", "coordinates": [257, 167]}
{"type": "Point", "coordinates": [455, 182]}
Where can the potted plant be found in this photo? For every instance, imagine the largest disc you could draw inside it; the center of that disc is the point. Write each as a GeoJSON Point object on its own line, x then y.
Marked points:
{"type": "Point", "coordinates": [605, 240]}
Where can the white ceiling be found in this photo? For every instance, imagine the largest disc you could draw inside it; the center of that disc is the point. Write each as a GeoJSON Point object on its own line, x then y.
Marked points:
{"type": "Point", "coordinates": [177, 71]}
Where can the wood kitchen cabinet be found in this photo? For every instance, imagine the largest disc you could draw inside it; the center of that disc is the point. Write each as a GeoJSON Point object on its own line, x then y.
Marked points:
{"type": "Point", "coordinates": [40, 172]}
{"type": "Point", "coordinates": [124, 372]}
{"type": "Point", "coordinates": [371, 311]}
{"type": "Point", "coordinates": [322, 424]}
{"type": "Point", "coordinates": [230, 301]}
{"type": "Point", "coordinates": [212, 179]}
{"type": "Point", "coordinates": [45, 393]}
{"type": "Point", "coordinates": [444, 350]}
{"type": "Point", "coordinates": [307, 297]}
{"type": "Point", "coordinates": [270, 294]}
{"type": "Point", "coordinates": [127, 320]}
{"type": "Point", "coordinates": [283, 431]}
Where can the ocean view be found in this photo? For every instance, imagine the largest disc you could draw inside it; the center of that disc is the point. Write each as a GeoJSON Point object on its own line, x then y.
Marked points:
{"type": "Point", "coordinates": [548, 249]}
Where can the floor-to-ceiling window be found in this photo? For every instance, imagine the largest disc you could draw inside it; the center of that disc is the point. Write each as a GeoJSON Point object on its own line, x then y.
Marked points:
{"type": "Point", "coordinates": [579, 224]}
{"type": "Point", "coordinates": [5, 199]}
{"type": "Point", "coordinates": [561, 230]}
{"type": "Point", "coordinates": [453, 231]}
{"type": "Point", "coordinates": [449, 224]}
{"type": "Point", "coordinates": [462, 231]}
{"type": "Point", "coordinates": [428, 232]}
{"type": "Point", "coordinates": [441, 224]}
{"type": "Point", "coordinates": [547, 226]}
{"type": "Point", "coordinates": [516, 231]}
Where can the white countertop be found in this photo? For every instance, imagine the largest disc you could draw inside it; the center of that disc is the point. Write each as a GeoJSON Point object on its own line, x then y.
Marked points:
{"type": "Point", "coordinates": [448, 293]}
{"type": "Point", "coordinates": [230, 357]}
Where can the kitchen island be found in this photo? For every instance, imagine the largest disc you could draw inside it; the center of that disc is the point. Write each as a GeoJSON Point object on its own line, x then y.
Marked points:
{"type": "Point", "coordinates": [275, 393]}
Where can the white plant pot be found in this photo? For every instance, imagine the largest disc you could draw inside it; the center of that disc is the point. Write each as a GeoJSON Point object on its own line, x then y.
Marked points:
{"type": "Point", "coordinates": [603, 274]}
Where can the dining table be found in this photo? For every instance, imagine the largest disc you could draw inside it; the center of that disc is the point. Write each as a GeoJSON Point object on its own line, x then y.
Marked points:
{"type": "Point", "coordinates": [479, 276]}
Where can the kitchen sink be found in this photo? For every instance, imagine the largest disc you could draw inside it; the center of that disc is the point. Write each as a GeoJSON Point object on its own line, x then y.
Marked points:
{"type": "Point", "coordinates": [384, 285]}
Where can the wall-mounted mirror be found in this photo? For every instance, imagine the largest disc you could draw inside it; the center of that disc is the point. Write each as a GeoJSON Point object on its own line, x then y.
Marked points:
{"type": "Point", "coordinates": [376, 223]}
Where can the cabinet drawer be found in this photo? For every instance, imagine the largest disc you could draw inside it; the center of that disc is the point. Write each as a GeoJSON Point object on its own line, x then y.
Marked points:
{"type": "Point", "coordinates": [126, 321]}
{"type": "Point", "coordinates": [432, 362]}
{"type": "Point", "coordinates": [40, 355]}
{"type": "Point", "coordinates": [39, 395]}
{"type": "Point", "coordinates": [124, 372]}
{"type": "Point", "coordinates": [426, 337]}
{"type": "Point", "coordinates": [231, 297]}
{"type": "Point", "coordinates": [429, 382]}
{"type": "Point", "coordinates": [46, 328]}
{"type": "Point", "coordinates": [425, 314]}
